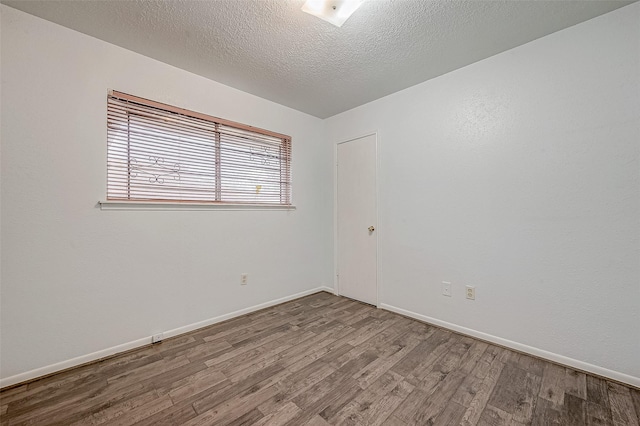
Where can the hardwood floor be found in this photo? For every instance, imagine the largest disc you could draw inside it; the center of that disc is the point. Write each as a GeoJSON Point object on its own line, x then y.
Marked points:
{"type": "Point", "coordinates": [321, 360]}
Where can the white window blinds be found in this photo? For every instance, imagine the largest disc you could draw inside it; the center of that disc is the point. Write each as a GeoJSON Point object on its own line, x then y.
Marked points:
{"type": "Point", "coordinates": [157, 152]}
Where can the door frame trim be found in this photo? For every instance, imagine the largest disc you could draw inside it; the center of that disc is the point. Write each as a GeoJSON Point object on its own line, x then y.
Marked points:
{"type": "Point", "coordinates": [336, 283]}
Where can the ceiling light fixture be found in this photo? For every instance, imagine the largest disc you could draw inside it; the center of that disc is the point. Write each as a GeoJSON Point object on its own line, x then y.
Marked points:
{"type": "Point", "coordinates": [333, 11]}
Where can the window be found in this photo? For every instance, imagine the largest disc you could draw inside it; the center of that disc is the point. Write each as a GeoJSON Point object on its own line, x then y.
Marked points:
{"type": "Point", "coordinates": [157, 152]}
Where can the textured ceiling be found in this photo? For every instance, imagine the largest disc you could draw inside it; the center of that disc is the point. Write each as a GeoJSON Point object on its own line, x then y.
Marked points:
{"type": "Point", "coordinates": [272, 49]}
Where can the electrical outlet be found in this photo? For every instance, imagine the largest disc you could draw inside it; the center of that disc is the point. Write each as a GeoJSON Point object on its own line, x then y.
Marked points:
{"type": "Point", "coordinates": [157, 338]}
{"type": "Point", "coordinates": [471, 292]}
{"type": "Point", "coordinates": [446, 288]}
{"type": "Point", "coordinates": [244, 278]}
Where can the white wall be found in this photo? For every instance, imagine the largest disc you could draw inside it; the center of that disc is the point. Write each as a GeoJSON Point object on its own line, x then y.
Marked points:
{"type": "Point", "coordinates": [520, 175]}
{"type": "Point", "coordinates": [76, 279]}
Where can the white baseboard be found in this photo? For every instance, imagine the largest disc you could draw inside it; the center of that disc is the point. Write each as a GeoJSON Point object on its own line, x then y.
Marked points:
{"type": "Point", "coordinates": [328, 290]}
{"type": "Point", "coordinates": [83, 359]}
{"type": "Point", "coordinates": [540, 353]}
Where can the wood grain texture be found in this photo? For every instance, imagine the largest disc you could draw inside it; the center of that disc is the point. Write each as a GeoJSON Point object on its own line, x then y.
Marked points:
{"type": "Point", "coordinates": [321, 360]}
{"type": "Point", "coordinates": [621, 402]}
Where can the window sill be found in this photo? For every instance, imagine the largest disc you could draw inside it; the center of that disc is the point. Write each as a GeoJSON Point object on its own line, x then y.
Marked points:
{"type": "Point", "coordinates": [174, 206]}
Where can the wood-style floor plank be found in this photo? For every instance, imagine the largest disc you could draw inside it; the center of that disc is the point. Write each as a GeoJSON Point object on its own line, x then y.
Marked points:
{"type": "Point", "coordinates": [622, 410]}
{"type": "Point", "coordinates": [321, 360]}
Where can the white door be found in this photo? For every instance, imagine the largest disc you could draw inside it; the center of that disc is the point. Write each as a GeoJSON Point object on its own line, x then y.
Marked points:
{"type": "Point", "coordinates": [356, 219]}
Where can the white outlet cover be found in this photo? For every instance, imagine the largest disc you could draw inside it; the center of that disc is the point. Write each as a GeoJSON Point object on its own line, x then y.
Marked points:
{"type": "Point", "coordinates": [470, 292]}
{"type": "Point", "coordinates": [446, 288]}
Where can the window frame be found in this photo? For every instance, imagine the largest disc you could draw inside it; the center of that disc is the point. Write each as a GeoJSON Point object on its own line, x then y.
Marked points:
{"type": "Point", "coordinates": [218, 202]}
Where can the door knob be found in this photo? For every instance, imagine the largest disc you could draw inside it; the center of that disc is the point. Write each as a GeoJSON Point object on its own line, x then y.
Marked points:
{"type": "Point", "coordinates": [371, 229]}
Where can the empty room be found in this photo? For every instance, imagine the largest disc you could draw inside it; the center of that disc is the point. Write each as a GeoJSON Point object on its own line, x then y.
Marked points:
{"type": "Point", "coordinates": [320, 212]}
